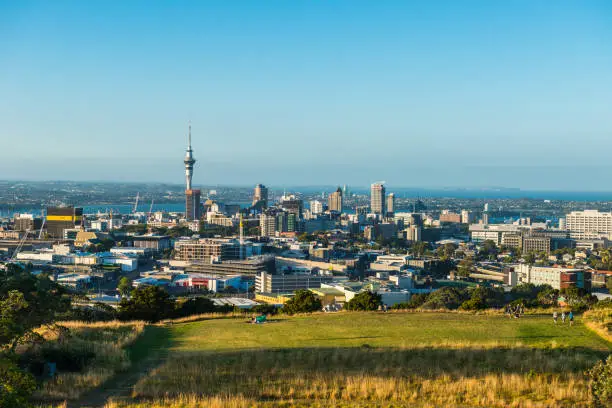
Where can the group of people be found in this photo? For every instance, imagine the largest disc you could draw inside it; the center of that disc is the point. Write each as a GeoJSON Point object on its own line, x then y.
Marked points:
{"type": "Point", "coordinates": [569, 316]}
{"type": "Point", "coordinates": [515, 310]}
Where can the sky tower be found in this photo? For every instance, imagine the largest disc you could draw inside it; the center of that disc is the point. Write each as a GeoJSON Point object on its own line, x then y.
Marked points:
{"type": "Point", "coordinates": [192, 197]}
{"type": "Point", "coordinates": [189, 162]}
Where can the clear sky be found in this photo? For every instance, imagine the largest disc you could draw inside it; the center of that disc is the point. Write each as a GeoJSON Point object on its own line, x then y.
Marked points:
{"type": "Point", "coordinates": [418, 93]}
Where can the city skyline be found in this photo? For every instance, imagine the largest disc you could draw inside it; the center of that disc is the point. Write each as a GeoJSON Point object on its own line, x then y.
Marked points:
{"type": "Point", "coordinates": [432, 95]}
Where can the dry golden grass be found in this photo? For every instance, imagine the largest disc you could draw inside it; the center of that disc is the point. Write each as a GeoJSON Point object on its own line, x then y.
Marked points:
{"type": "Point", "coordinates": [205, 316]}
{"type": "Point", "coordinates": [600, 321]}
{"type": "Point", "coordinates": [106, 341]}
{"type": "Point", "coordinates": [487, 377]}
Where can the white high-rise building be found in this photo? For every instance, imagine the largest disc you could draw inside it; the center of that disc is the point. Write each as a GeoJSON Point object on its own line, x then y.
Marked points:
{"type": "Point", "coordinates": [267, 225]}
{"type": "Point", "coordinates": [390, 203]}
{"type": "Point", "coordinates": [377, 199]}
{"type": "Point", "coordinates": [316, 207]}
{"type": "Point", "coordinates": [589, 224]}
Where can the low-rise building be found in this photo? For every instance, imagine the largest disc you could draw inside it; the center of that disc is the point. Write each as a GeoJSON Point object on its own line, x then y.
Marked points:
{"type": "Point", "coordinates": [558, 278]}
{"type": "Point", "coordinates": [156, 243]}
{"type": "Point", "coordinates": [287, 283]}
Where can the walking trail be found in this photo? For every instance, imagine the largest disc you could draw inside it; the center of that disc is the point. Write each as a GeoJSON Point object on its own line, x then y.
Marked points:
{"type": "Point", "coordinates": [148, 352]}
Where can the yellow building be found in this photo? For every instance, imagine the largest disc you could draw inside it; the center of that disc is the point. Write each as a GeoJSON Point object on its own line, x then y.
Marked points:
{"type": "Point", "coordinates": [272, 298]}
{"type": "Point", "coordinates": [329, 296]}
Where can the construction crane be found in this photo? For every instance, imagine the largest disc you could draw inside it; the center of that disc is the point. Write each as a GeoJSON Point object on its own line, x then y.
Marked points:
{"type": "Point", "coordinates": [19, 246]}
{"type": "Point", "coordinates": [42, 227]}
{"type": "Point", "coordinates": [136, 203]}
{"type": "Point", "coordinates": [150, 208]}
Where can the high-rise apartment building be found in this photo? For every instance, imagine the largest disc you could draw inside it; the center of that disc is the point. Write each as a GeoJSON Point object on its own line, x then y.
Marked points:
{"type": "Point", "coordinates": [61, 218]}
{"type": "Point", "coordinates": [192, 205]}
{"type": "Point", "coordinates": [26, 222]}
{"type": "Point", "coordinates": [390, 203]}
{"type": "Point", "coordinates": [467, 217]}
{"type": "Point", "coordinates": [267, 224]}
{"type": "Point", "coordinates": [260, 195]}
{"type": "Point", "coordinates": [589, 224]}
{"type": "Point", "coordinates": [316, 207]}
{"type": "Point", "coordinates": [293, 205]}
{"type": "Point", "coordinates": [334, 201]}
{"type": "Point", "coordinates": [377, 198]}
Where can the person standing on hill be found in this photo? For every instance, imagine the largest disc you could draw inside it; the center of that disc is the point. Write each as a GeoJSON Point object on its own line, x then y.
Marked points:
{"type": "Point", "coordinates": [555, 316]}
{"type": "Point", "coordinates": [563, 317]}
{"type": "Point", "coordinates": [571, 318]}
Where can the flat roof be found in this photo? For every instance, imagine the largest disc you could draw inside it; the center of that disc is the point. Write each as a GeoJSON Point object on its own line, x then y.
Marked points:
{"type": "Point", "coordinates": [327, 291]}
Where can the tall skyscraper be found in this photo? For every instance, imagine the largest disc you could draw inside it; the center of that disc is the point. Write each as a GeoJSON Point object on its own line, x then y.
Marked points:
{"type": "Point", "coordinates": [390, 203]}
{"type": "Point", "coordinates": [377, 198]}
{"type": "Point", "coordinates": [260, 195]}
{"type": "Point", "coordinates": [192, 197]}
{"type": "Point", "coordinates": [334, 202]}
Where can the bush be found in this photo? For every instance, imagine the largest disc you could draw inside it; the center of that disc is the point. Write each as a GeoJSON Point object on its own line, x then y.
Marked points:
{"type": "Point", "coordinates": [304, 301]}
{"type": "Point", "coordinates": [197, 305]}
{"type": "Point", "coordinates": [264, 309]}
{"type": "Point", "coordinates": [603, 304]}
{"type": "Point", "coordinates": [445, 298]}
{"type": "Point", "coordinates": [416, 301]}
{"type": "Point", "coordinates": [16, 386]}
{"type": "Point", "coordinates": [601, 383]}
{"type": "Point", "coordinates": [150, 304]}
{"type": "Point", "coordinates": [99, 312]}
{"type": "Point", "coordinates": [66, 360]}
{"type": "Point", "coordinates": [365, 301]}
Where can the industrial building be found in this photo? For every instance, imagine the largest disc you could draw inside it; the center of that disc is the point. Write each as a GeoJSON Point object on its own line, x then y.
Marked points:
{"type": "Point", "coordinates": [60, 218]}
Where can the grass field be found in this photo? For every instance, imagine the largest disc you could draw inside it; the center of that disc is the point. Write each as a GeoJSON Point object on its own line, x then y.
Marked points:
{"type": "Point", "coordinates": [106, 344]}
{"type": "Point", "coordinates": [383, 330]}
{"type": "Point", "coordinates": [373, 359]}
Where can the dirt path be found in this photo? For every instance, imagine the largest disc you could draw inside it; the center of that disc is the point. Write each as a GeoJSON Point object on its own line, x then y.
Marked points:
{"type": "Point", "coordinates": [148, 352]}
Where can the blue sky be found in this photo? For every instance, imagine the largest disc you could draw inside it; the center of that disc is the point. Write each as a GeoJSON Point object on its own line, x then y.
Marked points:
{"type": "Point", "coordinates": [417, 93]}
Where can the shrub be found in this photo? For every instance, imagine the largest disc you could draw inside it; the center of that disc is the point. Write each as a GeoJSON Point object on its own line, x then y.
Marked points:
{"type": "Point", "coordinates": [445, 298]}
{"type": "Point", "coordinates": [601, 383]}
{"type": "Point", "coordinates": [365, 301]}
{"type": "Point", "coordinates": [197, 305]}
{"type": "Point", "coordinates": [16, 386]}
{"type": "Point", "coordinates": [304, 301]}
{"type": "Point", "coordinates": [150, 304]}
{"type": "Point", "coordinates": [415, 302]}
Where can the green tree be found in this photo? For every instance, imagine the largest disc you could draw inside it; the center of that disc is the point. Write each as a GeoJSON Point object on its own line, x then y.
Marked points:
{"type": "Point", "coordinates": [482, 298]}
{"type": "Point", "coordinates": [609, 284]}
{"type": "Point", "coordinates": [419, 248]}
{"type": "Point", "coordinates": [547, 296]}
{"type": "Point", "coordinates": [416, 301]}
{"type": "Point", "coordinates": [27, 302]}
{"type": "Point", "coordinates": [445, 298]}
{"type": "Point", "coordinates": [149, 303]}
{"type": "Point", "coordinates": [365, 300]}
{"type": "Point", "coordinates": [303, 301]}
{"type": "Point", "coordinates": [16, 386]}
{"type": "Point", "coordinates": [529, 258]}
{"type": "Point", "coordinates": [465, 267]}
{"type": "Point", "coordinates": [488, 249]}
{"type": "Point", "coordinates": [446, 251]}
{"type": "Point", "coordinates": [125, 286]}
{"type": "Point", "coordinates": [601, 383]}
{"type": "Point", "coordinates": [193, 306]}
